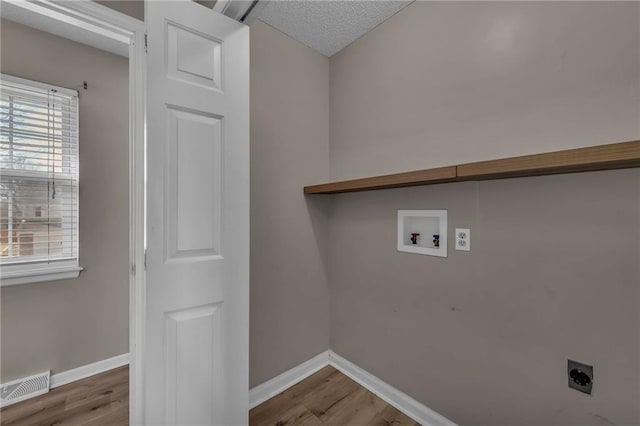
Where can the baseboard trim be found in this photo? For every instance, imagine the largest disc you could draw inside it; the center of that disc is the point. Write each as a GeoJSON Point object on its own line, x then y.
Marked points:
{"type": "Point", "coordinates": [403, 402]}
{"type": "Point", "coordinates": [88, 370]}
{"type": "Point", "coordinates": [284, 381]}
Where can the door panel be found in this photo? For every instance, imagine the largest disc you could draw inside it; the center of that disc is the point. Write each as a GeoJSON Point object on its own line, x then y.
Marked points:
{"type": "Point", "coordinates": [194, 388]}
{"type": "Point", "coordinates": [197, 295]}
{"type": "Point", "coordinates": [194, 57]}
{"type": "Point", "coordinates": [194, 178]}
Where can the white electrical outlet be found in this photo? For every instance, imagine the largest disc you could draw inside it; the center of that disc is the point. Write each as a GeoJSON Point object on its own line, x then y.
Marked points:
{"type": "Point", "coordinates": [463, 239]}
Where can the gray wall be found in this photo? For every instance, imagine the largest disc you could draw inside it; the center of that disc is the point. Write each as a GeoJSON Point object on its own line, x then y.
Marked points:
{"type": "Point", "coordinates": [289, 234]}
{"type": "Point", "coordinates": [483, 337]}
{"type": "Point", "coordinates": [445, 83]}
{"type": "Point", "coordinates": [133, 8]}
{"type": "Point", "coordinates": [61, 325]}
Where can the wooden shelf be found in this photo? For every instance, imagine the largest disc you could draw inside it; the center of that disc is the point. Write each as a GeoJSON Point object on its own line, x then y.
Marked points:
{"type": "Point", "coordinates": [602, 157]}
{"type": "Point", "coordinates": [398, 180]}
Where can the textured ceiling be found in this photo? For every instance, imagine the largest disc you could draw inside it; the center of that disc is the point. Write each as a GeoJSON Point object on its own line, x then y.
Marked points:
{"type": "Point", "coordinates": [325, 25]}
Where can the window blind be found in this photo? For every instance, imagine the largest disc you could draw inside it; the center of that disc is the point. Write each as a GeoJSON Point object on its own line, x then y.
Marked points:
{"type": "Point", "coordinates": [38, 174]}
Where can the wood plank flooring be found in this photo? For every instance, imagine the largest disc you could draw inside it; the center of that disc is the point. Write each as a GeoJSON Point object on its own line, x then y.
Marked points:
{"type": "Point", "coordinates": [327, 398]}
{"type": "Point", "coordinates": [98, 400]}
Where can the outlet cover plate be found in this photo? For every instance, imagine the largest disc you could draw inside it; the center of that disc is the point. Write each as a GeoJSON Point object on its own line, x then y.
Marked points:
{"type": "Point", "coordinates": [580, 376]}
{"type": "Point", "coordinates": [463, 239]}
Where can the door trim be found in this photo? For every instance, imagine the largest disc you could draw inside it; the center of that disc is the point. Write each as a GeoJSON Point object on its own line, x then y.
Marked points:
{"type": "Point", "coordinates": [118, 28]}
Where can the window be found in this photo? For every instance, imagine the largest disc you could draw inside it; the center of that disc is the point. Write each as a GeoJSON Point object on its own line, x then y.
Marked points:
{"type": "Point", "coordinates": [38, 181]}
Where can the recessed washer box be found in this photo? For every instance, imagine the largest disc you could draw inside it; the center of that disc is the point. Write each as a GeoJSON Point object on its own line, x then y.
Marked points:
{"type": "Point", "coordinates": [426, 223]}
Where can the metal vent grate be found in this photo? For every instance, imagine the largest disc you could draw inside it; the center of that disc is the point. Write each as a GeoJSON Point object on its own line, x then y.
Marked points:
{"type": "Point", "coordinates": [27, 387]}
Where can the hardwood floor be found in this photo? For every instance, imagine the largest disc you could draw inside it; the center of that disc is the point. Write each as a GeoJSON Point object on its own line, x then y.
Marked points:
{"type": "Point", "coordinates": [102, 399]}
{"type": "Point", "coordinates": [327, 398]}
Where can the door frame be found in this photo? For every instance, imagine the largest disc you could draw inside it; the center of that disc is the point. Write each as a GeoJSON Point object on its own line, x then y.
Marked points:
{"type": "Point", "coordinates": [106, 23]}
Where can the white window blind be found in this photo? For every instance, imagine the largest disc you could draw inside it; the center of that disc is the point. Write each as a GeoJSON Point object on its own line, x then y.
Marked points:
{"type": "Point", "coordinates": [38, 177]}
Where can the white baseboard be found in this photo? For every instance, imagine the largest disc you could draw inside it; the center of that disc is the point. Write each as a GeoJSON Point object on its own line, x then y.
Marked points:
{"type": "Point", "coordinates": [284, 381]}
{"type": "Point", "coordinates": [401, 401]}
{"type": "Point", "coordinates": [88, 370]}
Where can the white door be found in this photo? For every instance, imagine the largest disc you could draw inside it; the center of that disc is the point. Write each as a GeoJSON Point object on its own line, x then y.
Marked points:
{"type": "Point", "coordinates": [197, 292]}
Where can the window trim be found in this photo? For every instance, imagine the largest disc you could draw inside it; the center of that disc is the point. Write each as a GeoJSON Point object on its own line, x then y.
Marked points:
{"type": "Point", "coordinates": [26, 272]}
{"type": "Point", "coordinates": [34, 272]}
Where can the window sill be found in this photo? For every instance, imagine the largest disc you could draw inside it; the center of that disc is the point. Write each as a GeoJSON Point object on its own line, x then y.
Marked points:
{"type": "Point", "coordinates": [39, 275]}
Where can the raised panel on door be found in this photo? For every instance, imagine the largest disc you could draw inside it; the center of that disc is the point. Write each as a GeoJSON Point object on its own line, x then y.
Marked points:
{"type": "Point", "coordinates": [193, 57]}
{"type": "Point", "coordinates": [194, 366]}
{"type": "Point", "coordinates": [193, 185]}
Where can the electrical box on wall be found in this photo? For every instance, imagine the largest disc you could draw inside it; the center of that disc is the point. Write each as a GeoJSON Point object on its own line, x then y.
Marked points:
{"type": "Point", "coordinates": [423, 232]}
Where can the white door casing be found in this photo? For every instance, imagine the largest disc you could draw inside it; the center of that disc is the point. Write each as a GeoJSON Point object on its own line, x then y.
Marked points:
{"type": "Point", "coordinates": [197, 293]}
